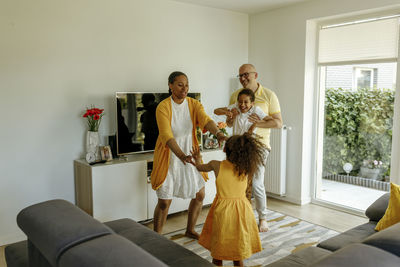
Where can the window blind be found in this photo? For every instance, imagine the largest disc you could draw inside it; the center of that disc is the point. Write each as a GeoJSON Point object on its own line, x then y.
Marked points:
{"type": "Point", "coordinates": [366, 41]}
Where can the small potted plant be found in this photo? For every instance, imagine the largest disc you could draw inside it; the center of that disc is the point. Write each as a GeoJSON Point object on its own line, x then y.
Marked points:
{"type": "Point", "coordinates": [371, 169]}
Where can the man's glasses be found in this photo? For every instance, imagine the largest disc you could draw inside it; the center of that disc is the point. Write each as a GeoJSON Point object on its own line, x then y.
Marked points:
{"type": "Point", "coordinates": [246, 74]}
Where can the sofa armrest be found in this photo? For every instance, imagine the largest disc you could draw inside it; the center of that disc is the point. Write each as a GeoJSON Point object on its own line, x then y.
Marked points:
{"type": "Point", "coordinates": [377, 209]}
{"type": "Point", "coordinates": [157, 245]}
{"type": "Point", "coordinates": [302, 257]}
{"type": "Point", "coordinates": [54, 226]}
{"type": "Point", "coordinates": [359, 255]}
{"type": "Point", "coordinates": [109, 250]}
{"type": "Point", "coordinates": [354, 235]}
{"type": "Point", "coordinates": [387, 239]}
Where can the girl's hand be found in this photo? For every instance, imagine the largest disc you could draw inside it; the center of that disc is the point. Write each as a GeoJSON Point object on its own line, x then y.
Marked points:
{"type": "Point", "coordinates": [196, 155]}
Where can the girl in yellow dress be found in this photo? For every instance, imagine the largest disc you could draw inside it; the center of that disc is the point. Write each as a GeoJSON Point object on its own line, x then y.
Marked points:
{"type": "Point", "coordinates": [230, 231]}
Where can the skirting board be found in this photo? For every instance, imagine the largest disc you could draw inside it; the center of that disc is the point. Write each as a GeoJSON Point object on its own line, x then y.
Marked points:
{"type": "Point", "coordinates": [291, 199]}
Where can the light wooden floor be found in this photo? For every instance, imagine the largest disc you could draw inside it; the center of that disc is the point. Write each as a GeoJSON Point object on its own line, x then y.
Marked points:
{"type": "Point", "coordinates": [2, 260]}
{"type": "Point", "coordinates": [333, 219]}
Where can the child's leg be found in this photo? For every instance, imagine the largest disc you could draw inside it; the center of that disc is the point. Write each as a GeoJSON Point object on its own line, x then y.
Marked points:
{"type": "Point", "coordinates": [217, 262]}
{"type": "Point", "coordinates": [238, 263]}
{"type": "Point", "coordinates": [260, 197]}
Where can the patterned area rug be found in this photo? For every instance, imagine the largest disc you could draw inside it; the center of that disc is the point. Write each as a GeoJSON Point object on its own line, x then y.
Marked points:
{"type": "Point", "coordinates": [286, 235]}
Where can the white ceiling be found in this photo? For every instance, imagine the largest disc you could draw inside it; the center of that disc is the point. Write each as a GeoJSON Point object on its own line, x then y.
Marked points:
{"type": "Point", "coordinates": [244, 6]}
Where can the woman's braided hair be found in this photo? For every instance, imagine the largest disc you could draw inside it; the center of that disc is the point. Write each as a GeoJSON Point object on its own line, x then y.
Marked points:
{"type": "Point", "coordinates": [246, 152]}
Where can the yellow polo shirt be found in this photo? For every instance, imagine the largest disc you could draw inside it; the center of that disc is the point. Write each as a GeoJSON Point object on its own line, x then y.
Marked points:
{"type": "Point", "coordinates": [267, 100]}
{"type": "Point", "coordinates": [162, 152]}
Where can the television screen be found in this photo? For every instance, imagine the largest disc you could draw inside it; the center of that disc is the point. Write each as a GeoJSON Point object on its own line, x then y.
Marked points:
{"type": "Point", "coordinates": [137, 129]}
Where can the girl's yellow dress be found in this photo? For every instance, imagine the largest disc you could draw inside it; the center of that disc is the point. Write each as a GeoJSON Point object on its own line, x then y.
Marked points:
{"type": "Point", "coordinates": [230, 231]}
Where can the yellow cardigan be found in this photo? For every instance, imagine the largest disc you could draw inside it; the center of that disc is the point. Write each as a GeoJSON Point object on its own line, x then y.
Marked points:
{"type": "Point", "coordinates": [162, 152]}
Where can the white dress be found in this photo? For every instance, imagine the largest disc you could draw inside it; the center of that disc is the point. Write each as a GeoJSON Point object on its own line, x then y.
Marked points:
{"type": "Point", "coordinates": [182, 181]}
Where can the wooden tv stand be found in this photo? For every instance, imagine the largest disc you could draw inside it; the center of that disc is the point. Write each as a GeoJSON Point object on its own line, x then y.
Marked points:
{"type": "Point", "coordinates": [121, 188]}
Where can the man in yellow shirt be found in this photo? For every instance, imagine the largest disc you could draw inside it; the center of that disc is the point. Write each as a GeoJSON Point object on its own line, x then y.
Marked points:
{"type": "Point", "coordinates": [268, 102]}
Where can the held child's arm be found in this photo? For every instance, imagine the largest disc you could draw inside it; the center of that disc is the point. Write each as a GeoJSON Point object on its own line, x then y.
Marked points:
{"type": "Point", "coordinates": [221, 111]}
{"type": "Point", "coordinates": [229, 120]}
{"type": "Point", "coordinates": [229, 113]}
{"type": "Point", "coordinates": [273, 121]}
{"type": "Point", "coordinates": [198, 162]}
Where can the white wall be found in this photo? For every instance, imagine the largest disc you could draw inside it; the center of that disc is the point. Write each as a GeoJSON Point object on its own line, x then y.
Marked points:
{"type": "Point", "coordinates": [277, 47]}
{"type": "Point", "coordinates": [59, 57]}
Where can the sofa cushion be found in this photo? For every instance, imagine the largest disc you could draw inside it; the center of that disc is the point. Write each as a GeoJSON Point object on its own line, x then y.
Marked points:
{"type": "Point", "coordinates": [354, 235]}
{"type": "Point", "coordinates": [387, 239]}
{"type": "Point", "coordinates": [377, 209]}
{"type": "Point", "coordinates": [159, 246]}
{"type": "Point", "coordinates": [16, 254]}
{"type": "Point", "coordinates": [55, 225]}
{"type": "Point", "coordinates": [359, 255]}
{"type": "Point", "coordinates": [120, 225]}
{"type": "Point", "coordinates": [105, 251]}
{"type": "Point", "coordinates": [392, 213]}
{"type": "Point", "coordinates": [302, 257]}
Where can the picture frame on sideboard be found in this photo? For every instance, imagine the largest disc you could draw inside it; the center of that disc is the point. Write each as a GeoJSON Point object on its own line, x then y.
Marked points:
{"type": "Point", "coordinates": [106, 153]}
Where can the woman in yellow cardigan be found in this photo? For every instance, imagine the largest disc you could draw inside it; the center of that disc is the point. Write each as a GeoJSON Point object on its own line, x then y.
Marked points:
{"type": "Point", "coordinates": [173, 175]}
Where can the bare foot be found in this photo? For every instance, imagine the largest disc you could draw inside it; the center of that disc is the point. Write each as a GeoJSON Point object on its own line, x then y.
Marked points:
{"type": "Point", "coordinates": [238, 263]}
{"type": "Point", "coordinates": [193, 235]}
{"type": "Point", "coordinates": [263, 226]}
{"type": "Point", "coordinates": [217, 262]}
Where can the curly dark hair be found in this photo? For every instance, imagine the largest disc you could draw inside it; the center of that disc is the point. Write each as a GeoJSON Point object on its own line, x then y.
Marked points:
{"type": "Point", "coordinates": [247, 92]}
{"type": "Point", "coordinates": [246, 152]}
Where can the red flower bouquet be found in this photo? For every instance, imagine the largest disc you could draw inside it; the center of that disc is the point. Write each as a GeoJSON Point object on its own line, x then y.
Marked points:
{"type": "Point", "coordinates": [94, 116]}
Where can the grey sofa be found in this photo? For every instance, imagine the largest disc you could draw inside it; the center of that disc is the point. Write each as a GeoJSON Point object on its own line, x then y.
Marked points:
{"type": "Point", "coordinates": [359, 246]}
{"type": "Point", "coordinates": [60, 234]}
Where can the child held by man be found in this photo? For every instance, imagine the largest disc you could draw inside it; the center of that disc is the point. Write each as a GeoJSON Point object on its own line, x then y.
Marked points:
{"type": "Point", "coordinates": [245, 117]}
{"type": "Point", "coordinates": [239, 115]}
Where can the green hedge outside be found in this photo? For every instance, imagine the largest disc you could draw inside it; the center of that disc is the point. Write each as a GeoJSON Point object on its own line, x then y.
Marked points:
{"type": "Point", "coordinates": [358, 126]}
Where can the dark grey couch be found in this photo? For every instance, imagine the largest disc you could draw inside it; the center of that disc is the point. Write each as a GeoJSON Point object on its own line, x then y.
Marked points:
{"type": "Point", "coordinates": [359, 246]}
{"type": "Point", "coordinates": [61, 234]}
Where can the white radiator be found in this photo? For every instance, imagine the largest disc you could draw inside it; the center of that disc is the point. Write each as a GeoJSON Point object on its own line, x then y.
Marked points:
{"type": "Point", "coordinates": [275, 170]}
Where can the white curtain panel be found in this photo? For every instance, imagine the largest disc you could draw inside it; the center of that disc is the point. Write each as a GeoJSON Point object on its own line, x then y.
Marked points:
{"type": "Point", "coordinates": [365, 41]}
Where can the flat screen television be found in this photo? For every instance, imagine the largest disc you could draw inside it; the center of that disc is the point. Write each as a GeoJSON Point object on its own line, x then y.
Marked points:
{"type": "Point", "coordinates": [137, 129]}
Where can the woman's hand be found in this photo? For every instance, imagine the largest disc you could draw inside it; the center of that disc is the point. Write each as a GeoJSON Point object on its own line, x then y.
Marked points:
{"type": "Point", "coordinates": [221, 138]}
{"type": "Point", "coordinates": [185, 159]}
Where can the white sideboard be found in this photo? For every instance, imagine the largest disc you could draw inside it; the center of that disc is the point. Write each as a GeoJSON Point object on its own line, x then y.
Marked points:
{"type": "Point", "coordinates": [121, 188]}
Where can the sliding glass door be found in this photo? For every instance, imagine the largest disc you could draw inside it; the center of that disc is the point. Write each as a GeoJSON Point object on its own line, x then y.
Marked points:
{"type": "Point", "coordinates": [357, 83]}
